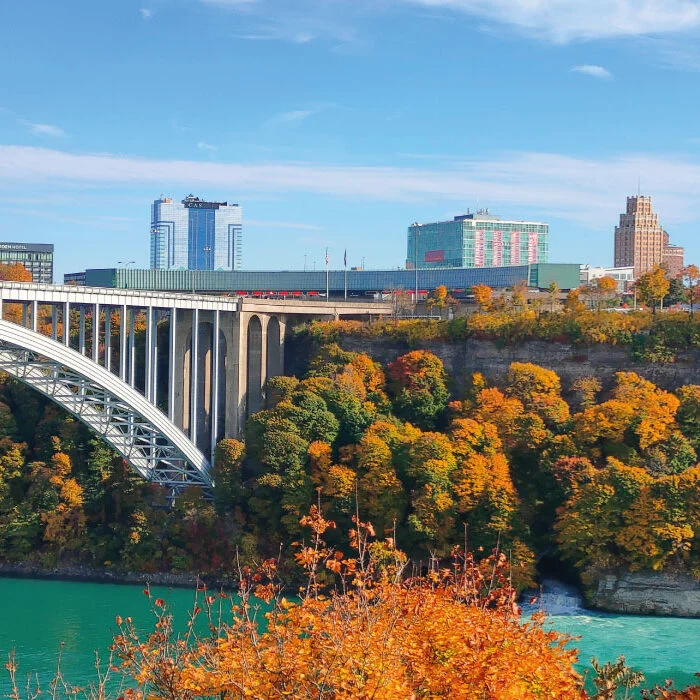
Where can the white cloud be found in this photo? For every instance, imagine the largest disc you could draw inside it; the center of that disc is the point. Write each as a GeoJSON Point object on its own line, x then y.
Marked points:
{"type": "Point", "coordinates": [294, 116]}
{"type": "Point", "coordinates": [43, 129]}
{"type": "Point", "coordinates": [593, 70]}
{"type": "Point", "coordinates": [578, 189]}
{"type": "Point", "coordinates": [568, 20]}
{"type": "Point", "coordinates": [561, 21]}
{"type": "Point", "coordinates": [207, 147]}
{"type": "Point", "coordinates": [146, 13]}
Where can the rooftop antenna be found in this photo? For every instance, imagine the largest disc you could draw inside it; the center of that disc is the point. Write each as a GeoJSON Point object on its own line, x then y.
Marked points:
{"type": "Point", "coordinates": [639, 186]}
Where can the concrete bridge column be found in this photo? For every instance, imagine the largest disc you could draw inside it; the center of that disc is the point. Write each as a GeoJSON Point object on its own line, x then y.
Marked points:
{"type": "Point", "coordinates": [66, 324]}
{"type": "Point", "coordinates": [181, 372]}
{"type": "Point", "coordinates": [81, 331]}
{"type": "Point", "coordinates": [96, 334]}
{"type": "Point", "coordinates": [283, 321]}
{"type": "Point", "coordinates": [108, 338]}
{"type": "Point", "coordinates": [264, 322]}
{"type": "Point", "coordinates": [231, 325]}
{"type": "Point", "coordinates": [173, 364]}
{"type": "Point", "coordinates": [122, 342]}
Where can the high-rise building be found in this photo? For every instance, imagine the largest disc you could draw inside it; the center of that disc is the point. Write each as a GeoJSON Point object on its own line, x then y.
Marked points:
{"type": "Point", "coordinates": [37, 258]}
{"type": "Point", "coordinates": [640, 239]}
{"type": "Point", "coordinates": [195, 235]}
{"type": "Point", "coordinates": [477, 240]}
{"type": "Point", "coordinates": [673, 260]}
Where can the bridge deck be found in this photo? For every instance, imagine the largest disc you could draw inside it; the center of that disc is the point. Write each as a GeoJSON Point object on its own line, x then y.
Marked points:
{"type": "Point", "coordinates": [61, 293]}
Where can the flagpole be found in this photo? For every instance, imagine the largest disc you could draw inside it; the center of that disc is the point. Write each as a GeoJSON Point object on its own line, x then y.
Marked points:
{"type": "Point", "coordinates": [345, 263]}
{"type": "Point", "coordinates": [327, 294]}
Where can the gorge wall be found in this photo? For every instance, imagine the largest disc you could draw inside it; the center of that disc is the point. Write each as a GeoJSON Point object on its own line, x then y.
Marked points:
{"type": "Point", "coordinates": [570, 362]}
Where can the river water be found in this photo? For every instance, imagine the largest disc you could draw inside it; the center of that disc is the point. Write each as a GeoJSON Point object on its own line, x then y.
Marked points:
{"type": "Point", "coordinates": [38, 618]}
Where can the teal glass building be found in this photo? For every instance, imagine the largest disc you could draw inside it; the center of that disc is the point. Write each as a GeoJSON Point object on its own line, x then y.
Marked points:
{"type": "Point", "coordinates": [477, 240]}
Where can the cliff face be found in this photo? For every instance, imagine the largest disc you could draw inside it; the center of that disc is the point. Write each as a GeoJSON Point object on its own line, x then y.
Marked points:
{"type": "Point", "coordinates": [461, 359]}
{"type": "Point", "coordinates": [646, 593]}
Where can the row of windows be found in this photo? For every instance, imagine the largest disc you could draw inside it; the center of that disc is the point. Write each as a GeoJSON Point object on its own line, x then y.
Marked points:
{"type": "Point", "coordinates": [25, 256]}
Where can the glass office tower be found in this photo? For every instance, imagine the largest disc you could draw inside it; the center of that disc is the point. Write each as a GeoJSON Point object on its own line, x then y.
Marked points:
{"type": "Point", "coordinates": [195, 235]}
{"type": "Point", "coordinates": [477, 240]}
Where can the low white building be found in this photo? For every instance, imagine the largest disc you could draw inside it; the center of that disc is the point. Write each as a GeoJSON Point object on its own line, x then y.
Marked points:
{"type": "Point", "coordinates": [624, 276]}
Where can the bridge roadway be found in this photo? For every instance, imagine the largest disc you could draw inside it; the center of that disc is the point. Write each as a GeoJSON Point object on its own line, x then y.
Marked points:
{"type": "Point", "coordinates": [160, 376]}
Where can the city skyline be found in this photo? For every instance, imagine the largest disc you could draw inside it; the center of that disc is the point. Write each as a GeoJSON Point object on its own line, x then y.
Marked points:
{"type": "Point", "coordinates": [339, 128]}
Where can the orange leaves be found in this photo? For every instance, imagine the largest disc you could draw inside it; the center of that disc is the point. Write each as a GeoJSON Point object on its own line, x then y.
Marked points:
{"type": "Point", "coordinates": [483, 296]}
{"type": "Point", "coordinates": [15, 272]}
{"type": "Point", "coordinates": [449, 634]}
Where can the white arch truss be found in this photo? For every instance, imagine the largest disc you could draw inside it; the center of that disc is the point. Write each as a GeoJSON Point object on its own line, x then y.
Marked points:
{"type": "Point", "coordinates": [137, 430]}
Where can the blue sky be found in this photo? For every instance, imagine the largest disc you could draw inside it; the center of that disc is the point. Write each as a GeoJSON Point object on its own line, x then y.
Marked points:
{"type": "Point", "coordinates": [339, 122]}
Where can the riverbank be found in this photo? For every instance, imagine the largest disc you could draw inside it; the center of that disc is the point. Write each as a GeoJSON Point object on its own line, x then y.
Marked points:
{"type": "Point", "coordinates": [625, 593]}
{"type": "Point", "coordinates": [89, 574]}
{"type": "Point", "coordinates": [644, 593]}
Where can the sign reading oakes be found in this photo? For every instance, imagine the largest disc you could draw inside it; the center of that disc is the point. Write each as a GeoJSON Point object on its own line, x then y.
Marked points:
{"type": "Point", "coordinates": [201, 205]}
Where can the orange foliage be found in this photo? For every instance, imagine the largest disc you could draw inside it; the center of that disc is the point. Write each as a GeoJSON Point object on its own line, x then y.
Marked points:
{"type": "Point", "coordinates": [483, 295]}
{"type": "Point", "coordinates": [15, 272]}
{"type": "Point", "coordinates": [454, 633]}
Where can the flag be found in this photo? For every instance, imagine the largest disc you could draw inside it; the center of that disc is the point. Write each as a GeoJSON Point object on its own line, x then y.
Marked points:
{"type": "Point", "coordinates": [345, 258]}
{"type": "Point", "coordinates": [326, 257]}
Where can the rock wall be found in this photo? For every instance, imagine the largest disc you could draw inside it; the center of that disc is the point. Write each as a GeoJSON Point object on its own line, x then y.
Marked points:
{"type": "Point", "coordinates": [463, 358]}
{"type": "Point", "coordinates": [646, 593]}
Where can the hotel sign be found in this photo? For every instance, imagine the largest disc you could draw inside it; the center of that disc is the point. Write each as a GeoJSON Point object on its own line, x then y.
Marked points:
{"type": "Point", "coordinates": [201, 205]}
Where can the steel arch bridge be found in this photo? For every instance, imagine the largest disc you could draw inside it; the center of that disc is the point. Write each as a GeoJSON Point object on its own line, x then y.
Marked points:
{"type": "Point", "coordinates": [162, 399]}
{"type": "Point", "coordinates": [136, 429]}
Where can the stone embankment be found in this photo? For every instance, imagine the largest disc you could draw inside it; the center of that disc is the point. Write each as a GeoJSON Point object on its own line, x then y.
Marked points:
{"type": "Point", "coordinates": [645, 593]}
{"type": "Point", "coordinates": [96, 575]}
{"type": "Point", "coordinates": [462, 358]}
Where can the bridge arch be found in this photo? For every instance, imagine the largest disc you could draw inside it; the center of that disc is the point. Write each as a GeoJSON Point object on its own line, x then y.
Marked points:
{"type": "Point", "coordinates": [274, 349]}
{"type": "Point", "coordinates": [254, 369]}
{"type": "Point", "coordinates": [135, 428]}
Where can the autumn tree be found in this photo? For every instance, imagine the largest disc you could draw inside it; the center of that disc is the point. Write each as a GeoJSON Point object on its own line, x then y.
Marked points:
{"type": "Point", "coordinates": [586, 390]}
{"type": "Point", "coordinates": [653, 286]}
{"type": "Point", "coordinates": [553, 292]}
{"type": "Point", "coordinates": [573, 303]}
{"type": "Point", "coordinates": [600, 291]}
{"type": "Point", "coordinates": [483, 296]}
{"type": "Point", "coordinates": [418, 385]}
{"type": "Point", "coordinates": [14, 272]}
{"type": "Point", "coordinates": [538, 389]}
{"type": "Point", "coordinates": [439, 298]}
{"type": "Point", "coordinates": [228, 459]}
{"type": "Point", "coordinates": [688, 415]}
{"type": "Point", "coordinates": [518, 295]}
{"type": "Point", "coordinates": [691, 279]}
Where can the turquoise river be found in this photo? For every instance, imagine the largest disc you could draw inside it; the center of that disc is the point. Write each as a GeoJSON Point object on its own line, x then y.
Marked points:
{"type": "Point", "coordinates": [37, 617]}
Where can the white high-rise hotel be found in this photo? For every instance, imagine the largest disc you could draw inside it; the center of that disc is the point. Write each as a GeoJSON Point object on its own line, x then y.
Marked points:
{"type": "Point", "coordinates": [195, 235]}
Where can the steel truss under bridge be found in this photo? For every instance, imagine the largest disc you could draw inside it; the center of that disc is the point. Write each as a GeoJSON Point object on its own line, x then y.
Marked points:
{"type": "Point", "coordinates": [137, 430]}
